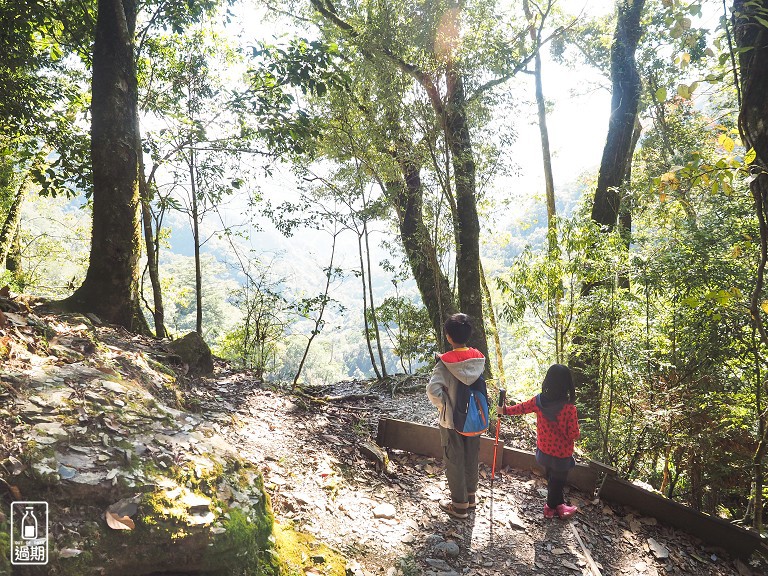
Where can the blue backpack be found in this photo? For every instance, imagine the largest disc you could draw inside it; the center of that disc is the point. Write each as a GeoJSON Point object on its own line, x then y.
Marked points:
{"type": "Point", "coordinates": [470, 414]}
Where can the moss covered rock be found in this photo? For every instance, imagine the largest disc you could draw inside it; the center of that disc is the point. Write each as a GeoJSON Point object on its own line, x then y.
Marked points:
{"type": "Point", "coordinates": [194, 352]}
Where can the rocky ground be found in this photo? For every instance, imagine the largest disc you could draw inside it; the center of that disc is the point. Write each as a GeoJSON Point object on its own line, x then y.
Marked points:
{"type": "Point", "coordinates": [81, 405]}
{"type": "Point", "coordinates": [389, 523]}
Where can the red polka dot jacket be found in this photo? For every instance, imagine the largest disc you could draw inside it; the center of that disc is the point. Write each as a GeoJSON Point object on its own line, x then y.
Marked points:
{"type": "Point", "coordinates": [553, 437]}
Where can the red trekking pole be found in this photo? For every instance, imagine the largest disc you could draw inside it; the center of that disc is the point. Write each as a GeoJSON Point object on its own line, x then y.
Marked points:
{"type": "Point", "coordinates": [502, 398]}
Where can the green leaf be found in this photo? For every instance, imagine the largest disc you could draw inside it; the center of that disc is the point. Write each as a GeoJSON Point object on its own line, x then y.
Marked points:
{"type": "Point", "coordinates": [750, 156]}
{"type": "Point", "coordinates": [661, 94]}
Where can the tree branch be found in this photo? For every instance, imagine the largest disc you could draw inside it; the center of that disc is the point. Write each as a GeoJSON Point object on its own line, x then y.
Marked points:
{"type": "Point", "coordinates": [480, 90]}
{"type": "Point", "coordinates": [329, 11]}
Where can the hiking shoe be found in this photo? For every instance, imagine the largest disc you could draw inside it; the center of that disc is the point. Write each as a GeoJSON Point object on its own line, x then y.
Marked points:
{"type": "Point", "coordinates": [565, 511]}
{"type": "Point", "coordinates": [453, 509]}
{"type": "Point", "coordinates": [549, 512]}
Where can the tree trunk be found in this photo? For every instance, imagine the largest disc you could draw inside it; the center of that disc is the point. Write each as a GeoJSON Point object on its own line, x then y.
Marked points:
{"type": "Point", "coordinates": [452, 115]}
{"type": "Point", "coordinates": [365, 308]}
{"type": "Point", "coordinates": [606, 207]}
{"type": "Point", "coordinates": [625, 96]}
{"type": "Point", "coordinates": [554, 282]}
{"type": "Point", "coordinates": [9, 231]}
{"type": "Point", "coordinates": [407, 198]}
{"type": "Point", "coordinates": [626, 206]}
{"type": "Point", "coordinates": [319, 319]}
{"type": "Point", "coordinates": [196, 241]}
{"type": "Point", "coordinates": [111, 285]}
{"type": "Point", "coordinates": [752, 39]}
{"type": "Point", "coordinates": [373, 306]}
{"type": "Point", "coordinates": [13, 260]}
{"type": "Point", "coordinates": [153, 258]}
{"type": "Point", "coordinates": [494, 327]}
{"type": "Point", "coordinates": [458, 138]}
{"type": "Point", "coordinates": [549, 180]}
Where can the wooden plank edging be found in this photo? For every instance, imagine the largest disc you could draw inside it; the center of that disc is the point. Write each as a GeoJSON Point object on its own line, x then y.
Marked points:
{"type": "Point", "coordinates": [582, 477]}
{"type": "Point", "coordinates": [716, 531]}
{"type": "Point", "coordinates": [425, 440]}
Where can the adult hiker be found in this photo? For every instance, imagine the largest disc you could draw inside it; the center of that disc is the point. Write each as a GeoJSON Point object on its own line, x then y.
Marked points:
{"type": "Point", "coordinates": [461, 366]}
{"type": "Point", "coordinates": [557, 426]}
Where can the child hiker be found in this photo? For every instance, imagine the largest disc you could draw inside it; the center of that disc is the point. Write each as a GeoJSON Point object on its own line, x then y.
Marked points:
{"type": "Point", "coordinates": [557, 426]}
{"type": "Point", "coordinates": [462, 366]}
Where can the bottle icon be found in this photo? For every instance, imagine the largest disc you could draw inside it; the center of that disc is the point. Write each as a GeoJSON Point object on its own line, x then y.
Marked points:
{"type": "Point", "coordinates": [29, 524]}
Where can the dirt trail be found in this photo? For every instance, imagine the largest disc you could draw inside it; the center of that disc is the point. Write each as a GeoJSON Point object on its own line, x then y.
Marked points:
{"type": "Point", "coordinates": [389, 523]}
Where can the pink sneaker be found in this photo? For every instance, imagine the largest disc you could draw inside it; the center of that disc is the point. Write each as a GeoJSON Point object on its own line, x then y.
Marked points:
{"type": "Point", "coordinates": [565, 511]}
{"type": "Point", "coordinates": [549, 512]}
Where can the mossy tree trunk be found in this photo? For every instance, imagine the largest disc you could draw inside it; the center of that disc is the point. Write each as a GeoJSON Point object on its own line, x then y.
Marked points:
{"type": "Point", "coordinates": [111, 286]}
{"type": "Point", "coordinates": [606, 207]}
{"type": "Point", "coordinates": [407, 196]}
{"type": "Point", "coordinates": [10, 228]}
{"type": "Point", "coordinates": [751, 37]}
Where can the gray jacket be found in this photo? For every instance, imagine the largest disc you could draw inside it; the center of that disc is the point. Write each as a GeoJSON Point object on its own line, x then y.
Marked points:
{"type": "Point", "coordinates": [449, 373]}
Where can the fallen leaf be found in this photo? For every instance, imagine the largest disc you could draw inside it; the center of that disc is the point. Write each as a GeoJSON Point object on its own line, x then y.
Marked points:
{"type": "Point", "coordinates": [18, 465]}
{"type": "Point", "coordinates": [16, 319]}
{"type": "Point", "coordinates": [6, 345]}
{"type": "Point", "coordinates": [69, 552]}
{"type": "Point", "coordinates": [107, 370]}
{"type": "Point", "coordinates": [658, 549]}
{"type": "Point", "coordinates": [119, 522]}
{"type": "Point", "coordinates": [124, 507]}
{"type": "Point", "coordinates": [15, 492]}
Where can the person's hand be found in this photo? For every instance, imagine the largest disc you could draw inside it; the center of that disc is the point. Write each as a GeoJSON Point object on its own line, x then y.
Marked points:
{"type": "Point", "coordinates": [500, 410]}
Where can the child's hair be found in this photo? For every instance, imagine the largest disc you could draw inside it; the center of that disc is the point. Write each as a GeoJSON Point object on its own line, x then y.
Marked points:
{"type": "Point", "coordinates": [459, 328]}
{"type": "Point", "coordinates": [558, 384]}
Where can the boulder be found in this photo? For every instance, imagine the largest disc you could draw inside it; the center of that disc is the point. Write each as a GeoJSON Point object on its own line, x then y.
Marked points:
{"type": "Point", "coordinates": [194, 352]}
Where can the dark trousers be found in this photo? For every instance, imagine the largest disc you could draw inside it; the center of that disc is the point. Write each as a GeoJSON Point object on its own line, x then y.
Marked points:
{"type": "Point", "coordinates": [555, 485]}
{"type": "Point", "coordinates": [461, 454]}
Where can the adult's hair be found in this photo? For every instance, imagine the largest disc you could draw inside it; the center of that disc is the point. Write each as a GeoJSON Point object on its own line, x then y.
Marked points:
{"type": "Point", "coordinates": [459, 328]}
{"type": "Point", "coordinates": [558, 384]}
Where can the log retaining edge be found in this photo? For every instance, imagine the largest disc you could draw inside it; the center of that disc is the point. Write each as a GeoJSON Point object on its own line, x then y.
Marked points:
{"type": "Point", "coordinates": [425, 440]}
